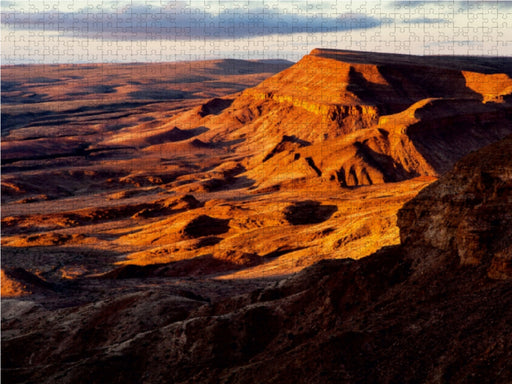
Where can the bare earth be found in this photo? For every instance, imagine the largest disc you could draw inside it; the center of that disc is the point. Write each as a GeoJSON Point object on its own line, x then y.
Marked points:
{"type": "Point", "coordinates": [143, 199]}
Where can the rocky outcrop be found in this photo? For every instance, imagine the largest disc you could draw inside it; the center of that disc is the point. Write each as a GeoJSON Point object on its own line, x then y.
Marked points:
{"type": "Point", "coordinates": [19, 282]}
{"type": "Point", "coordinates": [437, 308]}
{"type": "Point", "coordinates": [466, 216]}
{"type": "Point", "coordinates": [492, 87]}
{"type": "Point", "coordinates": [389, 117]}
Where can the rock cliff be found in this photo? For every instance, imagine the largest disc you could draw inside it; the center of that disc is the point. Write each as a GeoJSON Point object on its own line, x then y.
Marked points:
{"type": "Point", "coordinates": [465, 217]}
{"type": "Point", "coordinates": [398, 116]}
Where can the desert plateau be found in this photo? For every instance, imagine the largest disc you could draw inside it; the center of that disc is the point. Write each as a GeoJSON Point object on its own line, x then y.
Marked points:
{"type": "Point", "coordinates": [343, 219]}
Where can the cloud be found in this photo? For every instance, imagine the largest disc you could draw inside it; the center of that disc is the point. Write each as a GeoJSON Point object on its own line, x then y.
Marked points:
{"type": "Point", "coordinates": [425, 20]}
{"type": "Point", "coordinates": [180, 21]}
{"type": "Point", "coordinates": [458, 5]}
{"type": "Point", "coordinates": [408, 4]}
{"type": "Point", "coordinates": [465, 5]}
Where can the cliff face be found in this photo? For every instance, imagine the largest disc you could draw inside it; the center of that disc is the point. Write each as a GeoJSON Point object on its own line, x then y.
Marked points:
{"type": "Point", "coordinates": [398, 116]}
{"type": "Point", "coordinates": [424, 311]}
{"type": "Point", "coordinates": [466, 215]}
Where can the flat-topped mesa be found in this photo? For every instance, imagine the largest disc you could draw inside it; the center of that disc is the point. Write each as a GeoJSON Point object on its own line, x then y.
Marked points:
{"type": "Point", "coordinates": [339, 92]}
{"type": "Point", "coordinates": [482, 78]}
{"type": "Point", "coordinates": [330, 96]}
{"type": "Point", "coordinates": [480, 64]}
{"type": "Point", "coordinates": [376, 116]}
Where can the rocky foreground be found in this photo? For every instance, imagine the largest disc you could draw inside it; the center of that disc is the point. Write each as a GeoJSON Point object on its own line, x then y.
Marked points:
{"type": "Point", "coordinates": [436, 308]}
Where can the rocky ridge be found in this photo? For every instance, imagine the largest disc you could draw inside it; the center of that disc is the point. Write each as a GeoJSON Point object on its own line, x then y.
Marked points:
{"type": "Point", "coordinates": [465, 217]}
{"type": "Point", "coordinates": [363, 118]}
{"type": "Point", "coordinates": [436, 308]}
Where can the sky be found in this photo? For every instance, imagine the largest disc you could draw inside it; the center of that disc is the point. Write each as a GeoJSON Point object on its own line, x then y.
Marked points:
{"type": "Point", "coordinates": [94, 31]}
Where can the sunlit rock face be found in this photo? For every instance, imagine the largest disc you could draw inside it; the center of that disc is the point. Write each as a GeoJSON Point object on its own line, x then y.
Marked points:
{"type": "Point", "coordinates": [173, 224]}
{"type": "Point", "coordinates": [365, 118]}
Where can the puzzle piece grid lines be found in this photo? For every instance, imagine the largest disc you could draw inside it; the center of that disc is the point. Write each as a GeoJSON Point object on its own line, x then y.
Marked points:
{"type": "Point", "coordinates": [155, 31]}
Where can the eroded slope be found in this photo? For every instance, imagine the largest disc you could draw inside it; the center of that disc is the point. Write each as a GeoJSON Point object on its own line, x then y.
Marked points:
{"type": "Point", "coordinates": [418, 312]}
{"type": "Point", "coordinates": [360, 119]}
{"type": "Point", "coordinates": [341, 138]}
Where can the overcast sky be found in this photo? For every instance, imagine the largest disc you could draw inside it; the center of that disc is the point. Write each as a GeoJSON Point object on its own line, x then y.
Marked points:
{"type": "Point", "coordinates": [52, 31]}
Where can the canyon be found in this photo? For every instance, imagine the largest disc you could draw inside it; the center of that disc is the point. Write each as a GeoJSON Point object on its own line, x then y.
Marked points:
{"type": "Point", "coordinates": [345, 218]}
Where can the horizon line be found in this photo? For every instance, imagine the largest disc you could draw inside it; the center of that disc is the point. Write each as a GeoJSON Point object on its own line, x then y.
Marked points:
{"type": "Point", "coordinates": [262, 60]}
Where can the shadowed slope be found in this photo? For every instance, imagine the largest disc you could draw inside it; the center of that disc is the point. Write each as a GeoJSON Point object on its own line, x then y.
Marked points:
{"type": "Point", "coordinates": [465, 218]}
{"type": "Point", "coordinates": [433, 309]}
